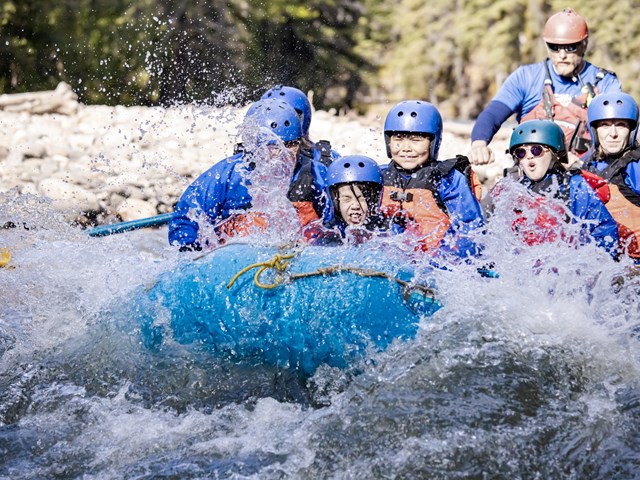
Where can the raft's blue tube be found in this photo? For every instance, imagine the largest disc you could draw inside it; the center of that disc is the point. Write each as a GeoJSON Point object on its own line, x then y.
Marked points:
{"type": "Point", "coordinates": [301, 325]}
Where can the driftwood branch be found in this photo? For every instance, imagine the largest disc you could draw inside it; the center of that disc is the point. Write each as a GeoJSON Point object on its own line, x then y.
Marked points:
{"type": "Point", "coordinates": [61, 100]}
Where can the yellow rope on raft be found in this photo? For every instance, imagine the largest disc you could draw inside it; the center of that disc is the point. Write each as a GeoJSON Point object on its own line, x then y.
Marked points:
{"type": "Point", "coordinates": [5, 256]}
{"type": "Point", "coordinates": [277, 263]}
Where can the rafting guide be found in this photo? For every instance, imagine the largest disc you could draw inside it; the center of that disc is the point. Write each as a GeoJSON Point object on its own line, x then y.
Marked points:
{"type": "Point", "coordinates": [559, 89]}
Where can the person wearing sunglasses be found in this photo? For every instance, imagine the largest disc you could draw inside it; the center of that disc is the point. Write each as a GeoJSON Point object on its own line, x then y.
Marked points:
{"type": "Point", "coordinates": [559, 89]}
{"type": "Point", "coordinates": [613, 124]}
{"type": "Point", "coordinates": [552, 195]}
{"type": "Point", "coordinates": [236, 195]}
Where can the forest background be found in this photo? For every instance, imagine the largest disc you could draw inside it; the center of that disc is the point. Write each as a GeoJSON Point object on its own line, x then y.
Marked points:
{"type": "Point", "coordinates": [353, 54]}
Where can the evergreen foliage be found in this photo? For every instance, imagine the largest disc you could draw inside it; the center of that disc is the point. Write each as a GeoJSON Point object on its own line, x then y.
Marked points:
{"type": "Point", "coordinates": [351, 53]}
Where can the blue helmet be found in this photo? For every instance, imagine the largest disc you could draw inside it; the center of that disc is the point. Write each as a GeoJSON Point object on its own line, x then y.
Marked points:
{"type": "Point", "coordinates": [297, 99]}
{"type": "Point", "coordinates": [277, 116]}
{"type": "Point", "coordinates": [353, 169]}
{"type": "Point", "coordinates": [350, 170]}
{"type": "Point", "coordinates": [613, 106]}
{"type": "Point", "coordinates": [414, 116]}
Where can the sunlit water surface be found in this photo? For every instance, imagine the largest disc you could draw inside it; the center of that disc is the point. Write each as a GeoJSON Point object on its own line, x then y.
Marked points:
{"type": "Point", "coordinates": [530, 375]}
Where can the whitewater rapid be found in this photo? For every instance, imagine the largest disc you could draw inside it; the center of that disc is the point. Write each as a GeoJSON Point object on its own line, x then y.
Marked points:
{"type": "Point", "coordinates": [530, 375]}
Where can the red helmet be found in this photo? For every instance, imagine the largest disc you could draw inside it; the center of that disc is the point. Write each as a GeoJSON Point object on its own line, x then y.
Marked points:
{"type": "Point", "coordinates": [565, 27]}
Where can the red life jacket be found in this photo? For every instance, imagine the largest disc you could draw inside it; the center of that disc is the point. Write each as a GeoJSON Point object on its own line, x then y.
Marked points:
{"type": "Point", "coordinates": [538, 221]}
{"type": "Point", "coordinates": [539, 218]}
{"type": "Point", "coordinates": [572, 118]}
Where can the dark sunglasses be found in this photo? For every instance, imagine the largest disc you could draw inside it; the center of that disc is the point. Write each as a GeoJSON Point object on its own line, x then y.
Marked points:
{"type": "Point", "coordinates": [536, 151]}
{"type": "Point", "coordinates": [571, 48]}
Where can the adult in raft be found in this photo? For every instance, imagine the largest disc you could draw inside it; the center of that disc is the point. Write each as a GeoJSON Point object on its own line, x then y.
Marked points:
{"type": "Point", "coordinates": [307, 192]}
{"type": "Point", "coordinates": [220, 197]}
{"type": "Point", "coordinates": [613, 124]}
{"type": "Point", "coordinates": [429, 200]}
{"type": "Point", "coordinates": [560, 89]}
{"type": "Point", "coordinates": [553, 195]}
{"type": "Point", "coordinates": [354, 186]}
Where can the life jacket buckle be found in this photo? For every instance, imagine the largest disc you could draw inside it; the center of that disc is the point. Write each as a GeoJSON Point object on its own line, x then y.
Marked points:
{"type": "Point", "coordinates": [401, 196]}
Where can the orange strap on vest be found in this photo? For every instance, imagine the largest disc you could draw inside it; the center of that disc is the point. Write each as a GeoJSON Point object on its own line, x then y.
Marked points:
{"type": "Point", "coordinates": [241, 225]}
{"type": "Point", "coordinates": [422, 216]}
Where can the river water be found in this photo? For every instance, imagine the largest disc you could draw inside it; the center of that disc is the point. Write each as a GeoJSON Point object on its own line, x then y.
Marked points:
{"type": "Point", "coordinates": [534, 374]}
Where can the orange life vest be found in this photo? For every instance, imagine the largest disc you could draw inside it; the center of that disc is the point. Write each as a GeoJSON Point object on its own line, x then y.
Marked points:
{"type": "Point", "coordinates": [240, 225]}
{"type": "Point", "coordinates": [418, 211]}
{"type": "Point", "coordinates": [621, 201]}
{"type": "Point", "coordinates": [413, 202]}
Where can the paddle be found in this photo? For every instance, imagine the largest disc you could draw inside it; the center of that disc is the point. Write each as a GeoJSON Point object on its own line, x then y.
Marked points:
{"type": "Point", "coordinates": [104, 230]}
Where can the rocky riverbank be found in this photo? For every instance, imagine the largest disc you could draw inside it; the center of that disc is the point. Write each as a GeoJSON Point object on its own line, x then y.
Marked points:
{"type": "Point", "coordinates": [102, 164]}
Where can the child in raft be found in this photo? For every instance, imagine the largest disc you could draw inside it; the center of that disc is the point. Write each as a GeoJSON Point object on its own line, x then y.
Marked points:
{"type": "Point", "coordinates": [354, 187]}
{"type": "Point", "coordinates": [553, 197]}
{"type": "Point", "coordinates": [431, 202]}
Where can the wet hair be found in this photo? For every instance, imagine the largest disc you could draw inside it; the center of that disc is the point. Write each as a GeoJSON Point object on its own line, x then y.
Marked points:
{"type": "Point", "coordinates": [371, 193]}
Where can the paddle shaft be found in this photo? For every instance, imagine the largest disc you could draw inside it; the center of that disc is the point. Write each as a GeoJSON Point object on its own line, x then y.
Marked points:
{"type": "Point", "coordinates": [104, 230]}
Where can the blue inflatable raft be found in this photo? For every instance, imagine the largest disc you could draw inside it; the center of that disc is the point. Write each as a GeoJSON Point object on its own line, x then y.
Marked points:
{"type": "Point", "coordinates": [320, 305]}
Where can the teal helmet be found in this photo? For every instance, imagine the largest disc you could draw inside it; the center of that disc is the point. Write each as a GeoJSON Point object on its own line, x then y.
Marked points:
{"type": "Point", "coordinates": [540, 132]}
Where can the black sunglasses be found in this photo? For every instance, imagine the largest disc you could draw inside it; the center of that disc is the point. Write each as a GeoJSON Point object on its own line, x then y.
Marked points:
{"type": "Point", "coordinates": [571, 48]}
{"type": "Point", "coordinates": [536, 151]}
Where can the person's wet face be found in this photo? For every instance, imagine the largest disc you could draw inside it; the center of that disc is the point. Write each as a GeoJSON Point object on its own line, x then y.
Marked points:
{"type": "Point", "coordinates": [352, 205]}
{"type": "Point", "coordinates": [410, 150]}
{"type": "Point", "coordinates": [288, 153]}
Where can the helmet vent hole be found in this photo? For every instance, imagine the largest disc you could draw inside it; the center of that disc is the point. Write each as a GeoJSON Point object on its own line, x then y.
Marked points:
{"type": "Point", "coordinates": [287, 123]}
{"type": "Point", "coordinates": [274, 125]}
{"type": "Point", "coordinates": [400, 114]}
{"type": "Point", "coordinates": [619, 102]}
{"type": "Point", "coordinates": [347, 165]}
{"type": "Point", "coordinates": [533, 131]}
{"type": "Point", "coordinates": [606, 102]}
{"type": "Point", "coordinates": [361, 165]}
{"type": "Point", "coordinates": [414, 114]}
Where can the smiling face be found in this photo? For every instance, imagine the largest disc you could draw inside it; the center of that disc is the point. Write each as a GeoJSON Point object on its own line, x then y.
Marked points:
{"type": "Point", "coordinates": [534, 166]}
{"type": "Point", "coordinates": [567, 59]}
{"type": "Point", "coordinates": [410, 150]}
{"type": "Point", "coordinates": [613, 135]}
{"type": "Point", "coordinates": [352, 205]}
